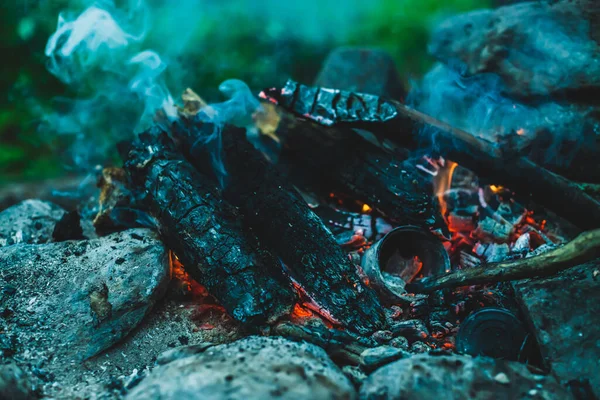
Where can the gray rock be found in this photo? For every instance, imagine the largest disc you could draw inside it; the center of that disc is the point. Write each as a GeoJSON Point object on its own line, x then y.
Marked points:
{"type": "Point", "coordinates": [30, 221]}
{"type": "Point", "coordinates": [251, 368]}
{"type": "Point", "coordinates": [362, 70]}
{"type": "Point", "coordinates": [419, 347]}
{"type": "Point", "coordinates": [399, 342]}
{"type": "Point", "coordinates": [561, 137]}
{"type": "Point", "coordinates": [565, 314]}
{"type": "Point", "coordinates": [182, 352]}
{"type": "Point", "coordinates": [176, 320]}
{"type": "Point", "coordinates": [536, 47]}
{"type": "Point", "coordinates": [70, 301]}
{"type": "Point", "coordinates": [355, 374]}
{"type": "Point", "coordinates": [371, 359]}
{"type": "Point", "coordinates": [14, 384]}
{"type": "Point", "coordinates": [458, 377]}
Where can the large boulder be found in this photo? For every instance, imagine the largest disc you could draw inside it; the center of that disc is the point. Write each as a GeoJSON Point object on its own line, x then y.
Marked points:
{"type": "Point", "coordinates": [565, 314]}
{"type": "Point", "coordinates": [251, 368]}
{"type": "Point", "coordinates": [538, 48]}
{"type": "Point", "coordinates": [63, 303]}
{"type": "Point", "coordinates": [363, 70]}
{"type": "Point", "coordinates": [458, 377]}
{"type": "Point", "coordinates": [30, 221]}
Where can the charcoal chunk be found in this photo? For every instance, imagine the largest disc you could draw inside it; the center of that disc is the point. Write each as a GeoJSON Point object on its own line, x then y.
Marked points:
{"type": "Point", "coordinates": [68, 227]}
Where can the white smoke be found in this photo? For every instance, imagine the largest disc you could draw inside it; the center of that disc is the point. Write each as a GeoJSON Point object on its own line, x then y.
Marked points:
{"type": "Point", "coordinates": [478, 105]}
{"type": "Point", "coordinates": [119, 85]}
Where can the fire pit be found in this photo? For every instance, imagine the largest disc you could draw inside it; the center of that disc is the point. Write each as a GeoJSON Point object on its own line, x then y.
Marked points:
{"type": "Point", "coordinates": [317, 241]}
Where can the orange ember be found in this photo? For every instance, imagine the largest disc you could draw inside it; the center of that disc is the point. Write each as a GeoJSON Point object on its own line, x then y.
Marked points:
{"type": "Point", "coordinates": [301, 312]}
{"type": "Point", "coordinates": [178, 272]}
{"type": "Point", "coordinates": [520, 131]}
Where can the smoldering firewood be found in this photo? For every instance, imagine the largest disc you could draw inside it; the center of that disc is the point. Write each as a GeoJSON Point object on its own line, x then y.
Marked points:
{"type": "Point", "coordinates": [583, 248]}
{"type": "Point", "coordinates": [412, 329]}
{"type": "Point", "coordinates": [341, 345]}
{"type": "Point", "coordinates": [206, 233]}
{"type": "Point", "coordinates": [402, 125]}
{"type": "Point", "coordinates": [341, 161]}
{"type": "Point", "coordinates": [284, 222]}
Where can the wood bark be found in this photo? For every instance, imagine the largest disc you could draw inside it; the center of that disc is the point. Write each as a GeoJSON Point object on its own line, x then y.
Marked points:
{"type": "Point", "coordinates": [518, 173]}
{"type": "Point", "coordinates": [343, 162]}
{"type": "Point", "coordinates": [284, 222]}
{"type": "Point", "coordinates": [403, 125]}
{"type": "Point", "coordinates": [206, 233]}
{"type": "Point", "coordinates": [583, 248]}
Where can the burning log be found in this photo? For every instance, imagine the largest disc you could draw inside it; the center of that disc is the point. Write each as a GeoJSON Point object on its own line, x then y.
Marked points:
{"type": "Point", "coordinates": [206, 233]}
{"type": "Point", "coordinates": [583, 248]}
{"type": "Point", "coordinates": [283, 221]}
{"type": "Point", "coordinates": [342, 161]}
{"type": "Point", "coordinates": [402, 124]}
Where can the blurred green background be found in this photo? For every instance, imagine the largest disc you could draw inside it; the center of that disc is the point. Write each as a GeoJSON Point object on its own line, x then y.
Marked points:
{"type": "Point", "coordinates": [260, 42]}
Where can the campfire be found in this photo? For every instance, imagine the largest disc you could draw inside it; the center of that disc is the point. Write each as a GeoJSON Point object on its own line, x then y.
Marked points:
{"type": "Point", "coordinates": [335, 240]}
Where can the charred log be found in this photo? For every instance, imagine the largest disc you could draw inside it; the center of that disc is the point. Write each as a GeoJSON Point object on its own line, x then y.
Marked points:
{"type": "Point", "coordinates": [402, 125]}
{"type": "Point", "coordinates": [284, 222]}
{"type": "Point", "coordinates": [583, 248]}
{"type": "Point", "coordinates": [340, 345]}
{"type": "Point", "coordinates": [206, 233]}
{"type": "Point", "coordinates": [343, 162]}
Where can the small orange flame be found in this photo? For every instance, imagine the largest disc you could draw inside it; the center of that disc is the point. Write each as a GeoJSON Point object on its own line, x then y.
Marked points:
{"type": "Point", "coordinates": [520, 131]}
{"type": "Point", "coordinates": [366, 209]}
{"type": "Point", "coordinates": [442, 184]}
{"type": "Point", "coordinates": [496, 188]}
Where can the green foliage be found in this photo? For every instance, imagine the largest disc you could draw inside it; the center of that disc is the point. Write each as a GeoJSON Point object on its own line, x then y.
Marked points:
{"type": "Point", "coordinates": [229, 40]}
{"type": "Point", "coordinates": [402, 27]}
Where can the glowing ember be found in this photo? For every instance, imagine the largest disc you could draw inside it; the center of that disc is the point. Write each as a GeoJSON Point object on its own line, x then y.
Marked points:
{"type": "Point", "coordinates": [178, 273]}
{"type": "Point", "coordinates": [301, 312]}
{"type": "Point", "coordinates": [520, 132]}
{"type": "Point", "coordinates": [366, 209]}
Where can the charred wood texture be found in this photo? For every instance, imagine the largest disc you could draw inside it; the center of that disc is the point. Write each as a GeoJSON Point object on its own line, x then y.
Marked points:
{"type": "Point", "coordinates": [206, 233]}
{"type": "Point", "coordinates": [402, 125]}
{"type": "Point", "coordinates": [284, 222]}
{"type": "Point", "coordinates": [340, 345]}
{"type": "Point", "coordinates": [583, 248]}
{"type": "Point", "coordinates": [341, 161]}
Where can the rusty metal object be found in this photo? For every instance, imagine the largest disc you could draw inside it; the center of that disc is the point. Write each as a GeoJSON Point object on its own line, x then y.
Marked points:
{"type": "Point", "coordinates": [407, 242]}
{"type": "Point", "coordinates": [492, 332]}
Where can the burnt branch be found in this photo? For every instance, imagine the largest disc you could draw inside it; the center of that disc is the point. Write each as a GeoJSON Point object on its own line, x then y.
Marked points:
{"type": "Point", "coordinates": [340, 160]}
{"type": "Point", "coordinates": [402, 124]}
{"type": "Point", "coordinates": [583, 248]}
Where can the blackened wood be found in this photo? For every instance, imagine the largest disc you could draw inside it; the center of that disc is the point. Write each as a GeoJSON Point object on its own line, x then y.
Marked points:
{"type": "Point", "coordinates": [404, 125]}
{"type": "Point", "coordinates": [583, 248]}
{"type": "Point", "coordinates": [340, 345]}
{"type": "Point", "coordinates": [341, 161]}
{"type": "Point", "coordinates": [207, 235]}
{"type": "Point", "coordinates": [284, 222]}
